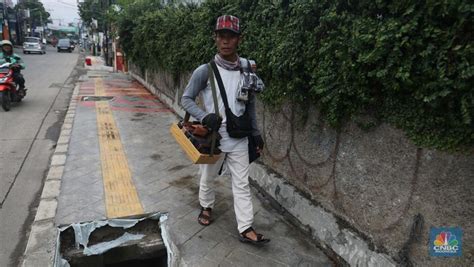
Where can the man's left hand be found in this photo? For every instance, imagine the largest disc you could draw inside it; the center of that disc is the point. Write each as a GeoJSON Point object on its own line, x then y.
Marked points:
{"type": "Point", "coordinates": [259, 142]}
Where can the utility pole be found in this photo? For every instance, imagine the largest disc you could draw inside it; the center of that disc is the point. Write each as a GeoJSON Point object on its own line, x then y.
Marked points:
{"type": "Point", "coordinates": [24, 15]}
{"type": "Point", "coordinates": [42, 26]}
{"type": "Point", "coordinates": [41, 20]}
{"type": "Point", "coordinates": [6, 33]}
{"type": "Point", "coordinates": [107, 57]}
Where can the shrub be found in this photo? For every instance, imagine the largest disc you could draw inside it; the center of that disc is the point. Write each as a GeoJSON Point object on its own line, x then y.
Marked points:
{"type": "Point", "coordinates": [408, 63]}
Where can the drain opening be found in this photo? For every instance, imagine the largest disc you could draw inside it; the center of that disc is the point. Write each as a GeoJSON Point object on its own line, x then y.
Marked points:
{"type": "Point", "coordinates": [112, 243]}
{"type": "Point", "coordinates": [97, 98]}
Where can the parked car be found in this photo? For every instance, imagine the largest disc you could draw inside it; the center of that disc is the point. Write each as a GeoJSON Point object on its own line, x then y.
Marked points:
{"type": "Point", "coordinates": [33, 45]}
{"type": "Point", "coordinates": [65, 45]}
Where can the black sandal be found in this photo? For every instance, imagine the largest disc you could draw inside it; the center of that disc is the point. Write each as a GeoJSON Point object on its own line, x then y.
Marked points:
{"type": "Point", "coordinates": [260, 239]}
{"type": "Point", "coordinates": [203, 216]}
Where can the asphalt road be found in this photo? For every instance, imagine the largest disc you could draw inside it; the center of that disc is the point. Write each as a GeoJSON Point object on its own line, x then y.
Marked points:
{"type": "Point", "coordinates": [28, 134]}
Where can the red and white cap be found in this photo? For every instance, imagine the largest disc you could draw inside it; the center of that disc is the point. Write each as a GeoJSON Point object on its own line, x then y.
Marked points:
{"type": "Point", "coordinates": [228, 22]}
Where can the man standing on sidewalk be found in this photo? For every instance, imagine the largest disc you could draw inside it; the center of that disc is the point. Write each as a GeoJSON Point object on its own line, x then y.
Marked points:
{"type": "Point", "coordinates": [229, 66]}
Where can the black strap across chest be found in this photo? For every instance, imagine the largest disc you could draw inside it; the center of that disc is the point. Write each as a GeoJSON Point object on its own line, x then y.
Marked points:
{"type": "Point", "coordinates": [220, 83]}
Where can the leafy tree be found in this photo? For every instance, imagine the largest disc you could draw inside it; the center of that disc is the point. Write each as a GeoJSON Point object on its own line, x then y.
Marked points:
{"type": "Point", "coordinates": [38, 13]}
{"type": "Point", "coordinates": [93, 9]}
{"type": "Point", "coordinates": [408, 63]}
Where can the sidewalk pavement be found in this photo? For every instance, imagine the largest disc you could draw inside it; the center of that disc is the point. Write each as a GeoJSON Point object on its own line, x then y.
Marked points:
{"type": "Point", "coordinates": [121, 160]}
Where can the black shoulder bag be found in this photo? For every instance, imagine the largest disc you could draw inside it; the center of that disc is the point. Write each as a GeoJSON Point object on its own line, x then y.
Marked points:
{"type": "Point", "coordinates": [237, 126]}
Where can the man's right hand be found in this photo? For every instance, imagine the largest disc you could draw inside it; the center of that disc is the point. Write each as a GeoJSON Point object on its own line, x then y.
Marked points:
{"type": "Point", "coordinates": [212, 121]}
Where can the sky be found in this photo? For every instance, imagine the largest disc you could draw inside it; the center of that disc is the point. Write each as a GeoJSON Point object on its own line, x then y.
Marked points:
{"type": "Point", "coordinates": [62, 11]}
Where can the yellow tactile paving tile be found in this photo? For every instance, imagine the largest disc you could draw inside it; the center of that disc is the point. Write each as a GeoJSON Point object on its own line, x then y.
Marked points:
{"type": "Point", "coordinates": [121, 197]}
{"type": "Point", "coordinates": [99, 87]}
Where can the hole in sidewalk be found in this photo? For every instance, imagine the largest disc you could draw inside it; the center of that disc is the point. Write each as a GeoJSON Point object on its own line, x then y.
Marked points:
{"type": "Point", "coordinates": [97, 98]}
{"type": "Point", "coordinates": [130, 241]}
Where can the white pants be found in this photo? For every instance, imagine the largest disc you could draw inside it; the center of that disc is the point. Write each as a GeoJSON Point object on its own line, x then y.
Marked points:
{"type": "Point", "coordinates": [238, 165]}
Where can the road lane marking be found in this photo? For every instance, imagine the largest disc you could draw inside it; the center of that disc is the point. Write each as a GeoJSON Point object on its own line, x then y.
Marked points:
{"type": "Point", "coordinates": [121, 197]}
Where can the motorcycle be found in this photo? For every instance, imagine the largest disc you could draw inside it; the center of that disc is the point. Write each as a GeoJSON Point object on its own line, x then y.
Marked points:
{"type": "Point", "coordinates": [8, 88]}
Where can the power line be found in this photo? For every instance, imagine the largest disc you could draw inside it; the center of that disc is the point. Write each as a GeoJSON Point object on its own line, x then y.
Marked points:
{"type": "Point", "coordinates": [66, 3]}
{"type": "Point", "coordinates": [62, 4]}
{"type": "Point", "coordinates": [59, 2]}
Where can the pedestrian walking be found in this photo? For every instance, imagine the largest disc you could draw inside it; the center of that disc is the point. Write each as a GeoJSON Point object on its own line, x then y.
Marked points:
{"type": "Point", "coordinates": [235, 122]}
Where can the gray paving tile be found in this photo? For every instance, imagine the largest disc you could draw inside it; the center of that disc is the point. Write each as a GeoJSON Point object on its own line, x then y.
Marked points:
{"type": "Point", "coordinates": [175, 211]}
{"type": "Point", "coordinates": [86, 187]}
{"type": "Point", "coordinates": [311, 262]}
{"type": "Point", "coordinates": [77, 202]}
{"type": "Point", "coordinates": [184, 230]}
{"type": "Point", "coordinates": [90, 178]}
{"type": "Point", "coordinates": [194, 249]}
{"type": "Point", "coordinates": [79, 172]}
{"type": "Point", "coordinates": [227, 222]}
{"type": "Point", "coordinates": [219, 252]}
{"type": "Point", "coordinates": [84, 215]}
{"type": "Point", "coordinates": [152, 187]}
{"type": "Point", "coordinates": [204, 263]}
{"type": "Point", "coordinates": [240, 257]}
{"type": "Point", "coordinates": [288, 245]}
{"type": "Point", "coordinates": [214, 233]}
{"type": "Point", "coordinates": [70, 165]}
{"type": "Point", "coordinates": [172, 194]}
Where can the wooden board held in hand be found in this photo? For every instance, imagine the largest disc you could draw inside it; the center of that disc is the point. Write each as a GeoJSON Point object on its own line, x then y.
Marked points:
{"type": "Point", "coordinates": [194, 155]}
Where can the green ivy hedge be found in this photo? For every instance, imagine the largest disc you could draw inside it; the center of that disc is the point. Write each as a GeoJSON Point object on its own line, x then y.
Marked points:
{"type": "Point", "coordinates": [409, 63]}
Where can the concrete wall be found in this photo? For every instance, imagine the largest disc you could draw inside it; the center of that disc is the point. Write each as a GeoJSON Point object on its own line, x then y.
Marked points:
{"type": "Point", "coordinates": [369, 196]}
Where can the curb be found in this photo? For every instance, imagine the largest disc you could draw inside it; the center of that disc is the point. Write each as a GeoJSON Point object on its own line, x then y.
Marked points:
{"type": "Point", "coordinates": [321, 225]}
{"type": "Point", "coordinates": [40, 248]}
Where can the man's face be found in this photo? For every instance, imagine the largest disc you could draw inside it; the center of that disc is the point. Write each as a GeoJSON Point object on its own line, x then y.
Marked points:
{"type": "Point", "coordinates": [227, 43]}
{"type": "Point", "coordinates": [7, 48]}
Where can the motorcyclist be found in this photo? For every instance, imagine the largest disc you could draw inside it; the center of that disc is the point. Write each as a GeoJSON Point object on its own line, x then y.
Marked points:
{"type": "Point", "coordinates": [7, 55]}
{"type": "Point", "coordinates": [54, 41]}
